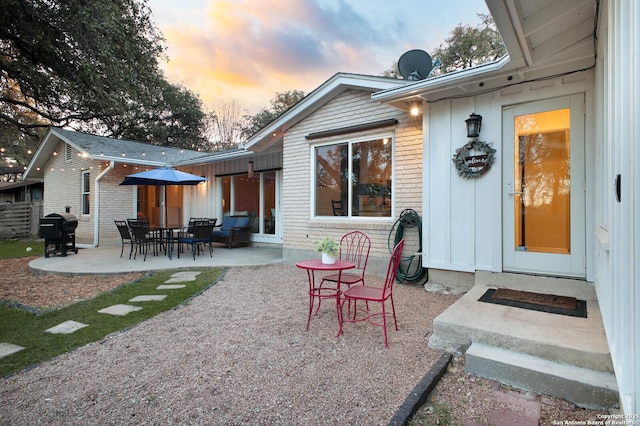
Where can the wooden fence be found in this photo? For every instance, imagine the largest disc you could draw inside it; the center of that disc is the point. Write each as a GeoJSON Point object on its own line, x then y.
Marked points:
{"type": "Point", "coordinates": [20, 220]}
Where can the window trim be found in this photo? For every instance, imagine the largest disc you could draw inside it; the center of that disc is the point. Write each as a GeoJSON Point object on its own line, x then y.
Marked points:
{"type": "Point", "coordinates": [350, 142]}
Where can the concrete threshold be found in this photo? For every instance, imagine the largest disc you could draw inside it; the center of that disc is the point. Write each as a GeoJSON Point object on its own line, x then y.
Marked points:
{"type": "Point", "coordinates": [525, 348]}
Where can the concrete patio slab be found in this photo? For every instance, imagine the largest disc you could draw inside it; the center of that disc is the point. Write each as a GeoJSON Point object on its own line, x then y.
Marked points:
{"type": "Point", "coordinates": [120, 310]}
{"type": "Point", "coordinates": [149, 298]}
{"type": "Point", "coordinates": [66, 327]}
{"type": "Point", "coordinates": [7, 349]}
{"type": "Point", "coordinates": [107, 261]}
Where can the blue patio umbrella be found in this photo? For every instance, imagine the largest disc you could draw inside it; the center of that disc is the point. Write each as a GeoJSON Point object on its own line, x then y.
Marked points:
{"type": "Point", "coordinates": [163, 176]}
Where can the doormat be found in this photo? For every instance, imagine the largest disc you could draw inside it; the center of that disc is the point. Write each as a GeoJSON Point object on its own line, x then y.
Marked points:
{"type": "Point", "coordinates": [549, 303]}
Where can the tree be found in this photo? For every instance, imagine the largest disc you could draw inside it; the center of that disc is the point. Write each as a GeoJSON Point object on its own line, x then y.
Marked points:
{"type": "Point", "coordinates": [279, 104]}
{"type": "Point", "coordinates": [91, 66]}
{"type": "Point", "coordinates": [223, 126]}
{"type": "Point", "coordinates": [466, 47]}
{"type": "Point", "coordinates": [469, 46]}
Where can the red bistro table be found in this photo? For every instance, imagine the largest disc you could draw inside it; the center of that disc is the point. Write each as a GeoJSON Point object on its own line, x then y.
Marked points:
{"type": "Point", "coordinates": [316, 291]}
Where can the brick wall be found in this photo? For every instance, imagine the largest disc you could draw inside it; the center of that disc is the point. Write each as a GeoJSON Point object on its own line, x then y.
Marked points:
{"type": "Point", "coordinates": [63, 187]}
{"type": "Point", "coordinates": [349, 108]}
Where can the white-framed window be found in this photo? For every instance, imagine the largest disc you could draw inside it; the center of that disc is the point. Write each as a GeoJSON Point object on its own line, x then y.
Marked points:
{"type": "Point", "coordinates": [255, 195]}
{"type": "Point", "coordinates": [354, 178]}
{"type": "Point", "coordinates": [86, 192]}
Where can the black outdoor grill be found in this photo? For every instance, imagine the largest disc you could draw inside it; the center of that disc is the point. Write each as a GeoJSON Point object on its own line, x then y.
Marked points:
{"type": "Point", "coordinates": [59, 233]}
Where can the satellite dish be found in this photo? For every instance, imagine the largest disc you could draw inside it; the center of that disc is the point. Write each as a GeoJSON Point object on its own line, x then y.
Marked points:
{"type": "Point", "coordinates": [414, 65]}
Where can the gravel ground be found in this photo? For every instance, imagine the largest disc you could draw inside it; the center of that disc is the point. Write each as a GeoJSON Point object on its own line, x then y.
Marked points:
{"type": "Point", "coordinates": [237, 354]}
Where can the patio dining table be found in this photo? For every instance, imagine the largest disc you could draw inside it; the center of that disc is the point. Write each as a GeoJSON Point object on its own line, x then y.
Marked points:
{"type": "Point", "coordinates": [317, 291]}
{"type": "Point", "coordinates": [167, 237]}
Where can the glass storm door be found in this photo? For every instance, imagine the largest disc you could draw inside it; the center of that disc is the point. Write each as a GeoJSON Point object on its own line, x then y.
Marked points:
{"type": "Point", "coordinates": [543, 200]}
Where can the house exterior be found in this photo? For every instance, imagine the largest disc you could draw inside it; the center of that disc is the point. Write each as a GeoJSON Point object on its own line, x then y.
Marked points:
{"type": "Point", "coordinates": [560, 111]}
{"type": "Point", "coordinates": [560, 199]}
{"type": "Point", "coordinates": [82, 173]}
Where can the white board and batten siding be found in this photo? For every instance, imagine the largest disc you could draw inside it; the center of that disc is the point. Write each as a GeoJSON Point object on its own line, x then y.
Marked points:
{"type": "Point", "coordinates": [617, 241]}
{"type": "Point", "coordinates": [463, 217]}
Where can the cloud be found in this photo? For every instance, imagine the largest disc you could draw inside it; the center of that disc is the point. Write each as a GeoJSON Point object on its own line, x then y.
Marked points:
{"type": "Point", "coordinates": [248, 50]}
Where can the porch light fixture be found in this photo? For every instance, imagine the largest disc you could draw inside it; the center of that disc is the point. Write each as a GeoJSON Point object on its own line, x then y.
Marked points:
{"type": "Point", "coordinates": [473, 125]}
{"type": "Point", "coordinates": [250, 169]}
{"type": "Point", "coordinates": [414, 110]}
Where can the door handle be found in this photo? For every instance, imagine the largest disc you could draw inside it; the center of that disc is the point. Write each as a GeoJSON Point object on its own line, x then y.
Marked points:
{"type": "Point", "coordinates": [516, 193]}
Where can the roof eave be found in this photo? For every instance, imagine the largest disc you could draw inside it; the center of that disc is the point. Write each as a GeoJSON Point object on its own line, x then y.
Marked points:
{"type": "Point", "coordinates": [433, 88]}
{"type": "Point", "coordinates": [273, 132]}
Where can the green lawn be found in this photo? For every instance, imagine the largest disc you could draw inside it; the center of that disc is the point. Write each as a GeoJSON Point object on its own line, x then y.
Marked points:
{"type": "Point", "coordinates": [20, 248]}
{"type": "Point", "coordinates": [23, 328]}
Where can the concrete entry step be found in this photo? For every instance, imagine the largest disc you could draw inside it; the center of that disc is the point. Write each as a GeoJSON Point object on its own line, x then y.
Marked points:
{"type": "Point", "coordinates": [584, 387]}
{"type": "Point", "coordinates": [572, 340]}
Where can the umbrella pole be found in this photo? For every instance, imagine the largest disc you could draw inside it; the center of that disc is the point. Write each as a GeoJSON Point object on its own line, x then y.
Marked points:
{"type": "Point", "coordinates": [165, 210]}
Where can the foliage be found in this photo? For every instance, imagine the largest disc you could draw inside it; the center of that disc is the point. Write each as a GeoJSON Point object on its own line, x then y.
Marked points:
{"type": "Point", "coordinates": [25, 329]}
{"type": "Point", "coordinates": [469, 171]}
{"type": "Point", "coordinates": [282, 102]}
{"type": "Point", "coordinates": [91, 66]}
{"type": "Point", "coordinates": [469, 46]}
{"type": "Point", "coordinates": [466, 47]}
{"type": "Point", "coordinates": [223, 126]}
{"type": "Point", "coordinates": [329, 246]}
{"type": "Point", "coordinates": [10, 249]}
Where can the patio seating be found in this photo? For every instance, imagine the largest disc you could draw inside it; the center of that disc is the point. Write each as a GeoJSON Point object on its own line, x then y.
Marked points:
{"type": "Point", "coordinates": [188, 231]}
{"type": "Point", "coordinates": [201, 235]}
{"type": "Point", "coordinates": [125, 235]}
{"type": "Point", "coordinates": [376, 294]}
{"type": "Point", "coordinates": [354, 247]}
{"type": "Point", "coordinates": [234, 230]}
{"type": "Point", "coordinates": [143, 238]}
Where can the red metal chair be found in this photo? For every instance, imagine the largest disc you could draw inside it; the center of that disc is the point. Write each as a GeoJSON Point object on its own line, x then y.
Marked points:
{"type": "Point", "coordinates": [354, 247]}
{"type": "Point", "coordinates": [376, 294]}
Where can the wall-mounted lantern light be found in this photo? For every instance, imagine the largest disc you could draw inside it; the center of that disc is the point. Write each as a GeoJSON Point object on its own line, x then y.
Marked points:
{"type": "Point", "coordinates": [473, 125]}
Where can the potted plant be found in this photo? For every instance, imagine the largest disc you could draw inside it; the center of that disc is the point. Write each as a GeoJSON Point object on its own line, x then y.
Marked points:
{"type": "Point", "coordinates": [329, 248]}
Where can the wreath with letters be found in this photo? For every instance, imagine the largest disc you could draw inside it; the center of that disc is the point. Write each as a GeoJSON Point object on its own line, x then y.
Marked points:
{"type": "Point", "coordinates": [472, 166]}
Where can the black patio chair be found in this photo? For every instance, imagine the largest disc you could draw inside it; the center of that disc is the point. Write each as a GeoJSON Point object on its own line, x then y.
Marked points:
{"type": "Point", "coordinates": [201, 235]}
{"type": "Point", "coordinates": [125, 235]}
{"type": "Point", "coordinates": [143, 238]}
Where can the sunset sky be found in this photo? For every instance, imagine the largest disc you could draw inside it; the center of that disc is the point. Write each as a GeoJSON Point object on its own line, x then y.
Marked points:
{"type": "Point", "coordinates": [248, 50]}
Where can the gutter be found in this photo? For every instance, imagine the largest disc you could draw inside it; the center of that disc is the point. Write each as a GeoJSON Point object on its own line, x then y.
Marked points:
{"type": "Point", "coordinates": [96, 219]}
{"type": "Point", "coordinates": [444, 82]}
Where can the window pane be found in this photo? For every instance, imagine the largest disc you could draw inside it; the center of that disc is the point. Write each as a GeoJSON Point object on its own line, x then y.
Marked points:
{"type": "Point", "coordinates": [226, 195]}
{"type": "Point", "coordinates": [269, 202]}
{"type": "Point", "coordinates": [86, 192]}
{"type": "Point", "coordinates": [371, 168]}
{"type": "Point", "coordinates": [331, 178]}
{"type": "Point", "coordinates": [247, 197]}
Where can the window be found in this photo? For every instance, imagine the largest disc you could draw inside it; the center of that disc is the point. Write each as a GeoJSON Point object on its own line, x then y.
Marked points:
{"type": "Point", "coordinates": [354, 178]}
{"type": "Point", "coordinates": [86, 192]}
{"type": "Point", "coordinates": [243, 195]}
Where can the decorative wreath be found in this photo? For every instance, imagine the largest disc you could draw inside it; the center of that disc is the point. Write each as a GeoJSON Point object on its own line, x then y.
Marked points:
{"type": "Point", "coordinates": [469, 171]}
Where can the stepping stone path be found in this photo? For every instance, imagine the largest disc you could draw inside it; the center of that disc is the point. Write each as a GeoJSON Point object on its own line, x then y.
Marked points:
{"type": "Point", "coordinates": [69, 327]}
{"type": "Point", "coordinates": [120, 309]}
{"type": "Point", "coordinates": [7, 349]}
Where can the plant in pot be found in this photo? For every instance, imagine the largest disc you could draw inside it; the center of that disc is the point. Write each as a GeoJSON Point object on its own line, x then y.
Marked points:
{"type": "Point", "coordinates": [329, 248]}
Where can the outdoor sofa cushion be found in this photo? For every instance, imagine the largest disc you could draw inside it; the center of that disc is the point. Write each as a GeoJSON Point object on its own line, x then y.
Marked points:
{"type": "Point", "coordinates": [235, 229]}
